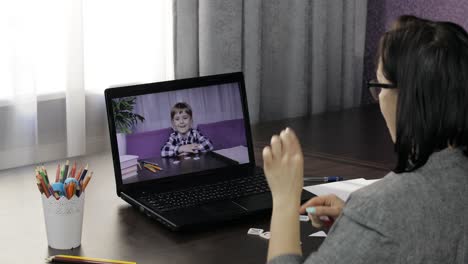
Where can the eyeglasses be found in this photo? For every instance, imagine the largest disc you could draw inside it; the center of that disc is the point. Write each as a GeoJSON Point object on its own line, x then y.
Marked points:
{"type": "Point", "coordinates": [375, 88]}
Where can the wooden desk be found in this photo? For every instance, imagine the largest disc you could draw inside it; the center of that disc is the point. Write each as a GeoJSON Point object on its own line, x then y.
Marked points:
{"type": "Point", "coordinates": [352, 144]}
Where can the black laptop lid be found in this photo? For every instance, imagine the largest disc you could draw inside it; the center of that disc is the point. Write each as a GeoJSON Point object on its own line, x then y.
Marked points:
{"type": "Point", "coordinates": [179, 130]}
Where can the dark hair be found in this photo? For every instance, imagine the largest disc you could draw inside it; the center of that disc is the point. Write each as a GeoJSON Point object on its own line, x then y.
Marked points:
{"type": "Point", "coordinates": [407, 20]}
{"type": "Point", "coordinates": [428, 62]}
{"type": "Point", "coordinates": [179, 107]}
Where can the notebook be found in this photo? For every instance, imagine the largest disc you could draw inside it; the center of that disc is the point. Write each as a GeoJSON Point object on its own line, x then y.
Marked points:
{"type": "Point", "coordinates": [194, 150]}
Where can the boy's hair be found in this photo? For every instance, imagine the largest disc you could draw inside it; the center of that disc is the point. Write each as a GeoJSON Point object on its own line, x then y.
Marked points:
{"type": "Point", "coordinates": [428, 62]}
{"type": "Point", "coordinates": [179, 107]}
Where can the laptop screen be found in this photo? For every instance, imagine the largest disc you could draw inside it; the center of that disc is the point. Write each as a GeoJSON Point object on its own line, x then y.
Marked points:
{"type": "Point", "coordinates": [179, 132]}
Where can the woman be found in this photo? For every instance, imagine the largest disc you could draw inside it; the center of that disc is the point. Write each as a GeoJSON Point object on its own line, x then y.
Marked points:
{"type": "Point", "coordinates": [419, 212]}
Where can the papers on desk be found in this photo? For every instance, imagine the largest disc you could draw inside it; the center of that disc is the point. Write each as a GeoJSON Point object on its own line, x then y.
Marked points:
{"type": "Point", "coordinates": [341, 189]}
{"type": "Point", "coordinates": [128, 166]}
{"type": "Point", "coordinates": [318, 234]}
{"type": "Point", "coordinates": [239, 154]}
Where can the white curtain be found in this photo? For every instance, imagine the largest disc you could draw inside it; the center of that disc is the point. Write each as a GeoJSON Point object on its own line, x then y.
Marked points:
{"type": "Point", "coordinates": [56, 59]}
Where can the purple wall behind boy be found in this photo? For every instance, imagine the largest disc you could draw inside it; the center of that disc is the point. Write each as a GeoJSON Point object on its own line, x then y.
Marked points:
{"type": "Point", "coordinates": [381, 13]}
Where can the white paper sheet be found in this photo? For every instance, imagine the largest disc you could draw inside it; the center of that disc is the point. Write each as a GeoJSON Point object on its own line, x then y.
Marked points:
{"type": "Point", "coordinates": [341, 189]}
{"type": "Point", "coordinates": [239, 154]}
{"type": "Point", "coordinates": [318, 234]}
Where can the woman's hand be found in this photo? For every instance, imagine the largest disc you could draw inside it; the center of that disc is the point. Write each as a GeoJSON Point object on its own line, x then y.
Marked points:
{"type": "Point", "coordinates": [283, 164]}
{"type": "Point", "coordinates": [284, 168]}
{"type": "Point", "coordinates": [321, 207]}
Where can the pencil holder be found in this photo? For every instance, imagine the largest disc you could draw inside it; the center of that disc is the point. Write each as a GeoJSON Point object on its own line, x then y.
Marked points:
{"type": "Point", "coordinates": [63, 221]}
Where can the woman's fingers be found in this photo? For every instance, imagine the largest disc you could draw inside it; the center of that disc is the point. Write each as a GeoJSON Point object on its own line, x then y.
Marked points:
{"type": "Point", "coordinates": [276, 147]}
{"type": "Point", "coordinates": [327, 211]}
{"type": "Point", "coordinates": [318, 201]}
{"type": "Point", "coordinates": [267, 157]}
{"type": "Point", "coordinates": [327, 205]}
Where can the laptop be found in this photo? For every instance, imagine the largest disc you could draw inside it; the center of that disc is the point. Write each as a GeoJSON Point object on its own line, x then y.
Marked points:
{"type": "Point", "coordinates": [183, 153]}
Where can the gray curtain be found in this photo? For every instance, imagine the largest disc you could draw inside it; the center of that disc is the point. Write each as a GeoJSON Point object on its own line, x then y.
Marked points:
{"type": "Point", "coordinates": [299, 57]}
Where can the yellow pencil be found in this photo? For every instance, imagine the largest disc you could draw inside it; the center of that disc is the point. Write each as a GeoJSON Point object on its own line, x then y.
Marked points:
{"type": "Point", "coordinates": [153, 166]}
{"type": "Point", "coordinates": [77, 259]}
{"type": "Point", "coordinates": [148, 167]}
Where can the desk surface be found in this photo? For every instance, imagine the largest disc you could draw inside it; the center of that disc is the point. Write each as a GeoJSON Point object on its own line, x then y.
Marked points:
{"type": "Point", "coordinates": [181, 165]}
{"type": "Point", "coordinates": [353, 144]}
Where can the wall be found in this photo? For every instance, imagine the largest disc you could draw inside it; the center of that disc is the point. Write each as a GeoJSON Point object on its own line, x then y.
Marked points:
{"type": "Point", "coordinates": [382, 12]}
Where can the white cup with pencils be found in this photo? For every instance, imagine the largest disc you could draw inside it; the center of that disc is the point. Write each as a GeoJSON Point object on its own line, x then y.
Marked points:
{"type": "Point", "coordinates": [63, 204]}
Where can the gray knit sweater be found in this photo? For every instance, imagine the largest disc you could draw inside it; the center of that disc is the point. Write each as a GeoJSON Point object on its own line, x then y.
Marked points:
{"type": "Point", "coordinates": [417, 217]}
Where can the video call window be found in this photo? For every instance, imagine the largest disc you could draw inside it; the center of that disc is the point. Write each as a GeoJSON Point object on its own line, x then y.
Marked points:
{"type": "Point", "coordinates": [179, 132]}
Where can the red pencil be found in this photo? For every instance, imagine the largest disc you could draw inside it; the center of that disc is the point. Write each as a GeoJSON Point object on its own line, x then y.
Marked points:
{"type": "Point", "coordinates": [57, 174]}
{"type": "Point", "coordinates": [73, 170]}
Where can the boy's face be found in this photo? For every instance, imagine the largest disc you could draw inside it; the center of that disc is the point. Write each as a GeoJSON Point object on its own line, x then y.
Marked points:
{"type": "Point", "coordinates": [182, 122]}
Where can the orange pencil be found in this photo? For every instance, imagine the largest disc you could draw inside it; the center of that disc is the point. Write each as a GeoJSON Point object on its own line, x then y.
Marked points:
{"type": "Point", "coordinates": [77, 176]}
{"type": "Point", "coordinates": [86, 181]}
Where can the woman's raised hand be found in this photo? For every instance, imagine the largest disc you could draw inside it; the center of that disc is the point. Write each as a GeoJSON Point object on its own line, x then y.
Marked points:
{"type": "Point", "coordinates": [283, 164]}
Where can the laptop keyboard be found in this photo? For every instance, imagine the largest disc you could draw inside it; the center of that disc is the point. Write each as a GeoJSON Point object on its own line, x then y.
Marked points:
{"type": "Point", "coordinates": [207, 193]}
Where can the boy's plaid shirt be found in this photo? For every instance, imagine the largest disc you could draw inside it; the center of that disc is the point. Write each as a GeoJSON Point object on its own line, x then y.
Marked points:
{"type": "Point", "coordinates": [171, 148]}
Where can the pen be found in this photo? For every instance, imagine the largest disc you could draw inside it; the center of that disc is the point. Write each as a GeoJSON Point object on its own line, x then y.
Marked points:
{"type": "Point", "coordinates": [324, 179]}
{"type": "Point", "coordinates": [82, 260]}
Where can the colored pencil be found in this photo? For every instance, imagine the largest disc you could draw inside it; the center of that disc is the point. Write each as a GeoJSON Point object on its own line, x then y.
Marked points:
{"type": "Point", "coordinates": [148, 167]}
{"type": "Point", "coordinates": [84, 260]}
{"type": "Point", "coordinates": [57, 174]}
{"type": "Point", "coordinates": [65, 171]}
{"type": "Point", "coordinates": [78, 175]}
{"type": "Point", "coordinates": [86, 181]}
{"type": "Point", "coordinates": [153, 165]}
{"type": "Point", "coordinates": [46, 175]}
{"type": "Point", "coordinates": [73, 170]}
{"type": "Point", "coordinates": [84, 173]}
{"type": "Point", "coordinates": [44, 187]}
{"type": "Point", "coordinates": [39, 185]}
{"type": "Point", "coordinates": [38, 170]}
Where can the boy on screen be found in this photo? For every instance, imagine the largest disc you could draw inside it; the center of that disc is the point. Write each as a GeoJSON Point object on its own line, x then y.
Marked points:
{"type": "Point", "coordinates": [184, 139]}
